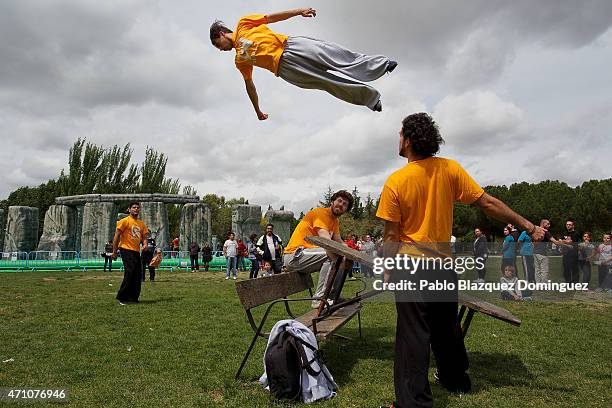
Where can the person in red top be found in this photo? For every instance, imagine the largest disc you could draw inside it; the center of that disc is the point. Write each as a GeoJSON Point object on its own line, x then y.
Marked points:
{"type": "Point", "coordinates": [301, 61]}
{"type": "Point", "coordinates": [242, 253]}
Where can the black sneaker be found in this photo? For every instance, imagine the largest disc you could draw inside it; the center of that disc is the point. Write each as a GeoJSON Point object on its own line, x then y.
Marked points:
{"type": "Point", "coordinates": [378, 106]}
{"type": "Point", "coordinates": [391, 66]}
{"type": "Point", "coordinates": [462, 386]}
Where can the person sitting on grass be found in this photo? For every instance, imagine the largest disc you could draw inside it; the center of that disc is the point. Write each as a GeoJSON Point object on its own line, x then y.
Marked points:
{"type": "Point", "coordinates": [266, 268]}
{"type": "Point", "coordinates": [509, 281]}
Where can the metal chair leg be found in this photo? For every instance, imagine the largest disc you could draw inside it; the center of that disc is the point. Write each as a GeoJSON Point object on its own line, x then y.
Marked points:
{"type": "Point", "coordinates": [246, 356]}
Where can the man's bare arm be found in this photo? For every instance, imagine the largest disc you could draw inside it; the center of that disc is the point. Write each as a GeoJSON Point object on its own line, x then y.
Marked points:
{"type": "Point", "coordinates": [325, 234]}
{"type": "Point", "coordinates": [116, 243]}
{"type": "Point", "coordinates": [284, 15]}
{"type": "Point", "coordinates": [390, 242]}
{"type": "Point", "coordinates": [252, 92]}
{"type": "Point", "coordinates": [496, 209]}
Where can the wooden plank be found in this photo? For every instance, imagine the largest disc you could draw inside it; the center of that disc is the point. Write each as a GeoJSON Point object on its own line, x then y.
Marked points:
{"type": "Point", "coordinates": [342, 250]}
{"type": "Point", "coordinates": [330, 324]}
{"type": "Point", "coordinates": [489, 309]}
{"type": "Point", "coordinates": [255, 292]}
{"type": "Point", "coordinates": [464, 299]}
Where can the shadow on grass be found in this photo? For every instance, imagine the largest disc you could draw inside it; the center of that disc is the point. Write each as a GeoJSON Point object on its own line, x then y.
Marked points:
{"type": "Point", "coordinates": [489, 370]}
{"type": "Point", "coordinates": [341, 355]}
{"type": "Point", "coordinates": [161, 300]}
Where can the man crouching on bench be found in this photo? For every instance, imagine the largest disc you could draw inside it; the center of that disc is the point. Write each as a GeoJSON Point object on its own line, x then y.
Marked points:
{"type": "Point", "coordinates": [304, 257]}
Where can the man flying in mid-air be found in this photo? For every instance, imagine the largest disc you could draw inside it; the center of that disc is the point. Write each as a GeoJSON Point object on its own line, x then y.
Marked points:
{"type": "Point", "coordinates": [302, 61]}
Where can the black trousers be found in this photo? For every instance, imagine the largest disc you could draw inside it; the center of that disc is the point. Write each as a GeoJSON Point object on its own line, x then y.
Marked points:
{"type": "Point", "coordinates": [276, 265]}
{"type": "Point", "coordinates": [147, 257]}
{"type": "Point", "coordinates": [481, 272]}
{"type": "Point", "coordinates": [194, 262]}
{"type": "Point", "coordinates": [419, 327]}
{"type": "Point", "coordinates": [570, 269]}
{"type": "Point", "coordinates": [108, 261]}
{"type": "Point", "coordinates": [130, 287]}
{"type": "Point", "coordinates": [424, 326]}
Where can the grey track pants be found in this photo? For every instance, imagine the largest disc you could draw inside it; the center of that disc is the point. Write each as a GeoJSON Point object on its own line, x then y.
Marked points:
{"type": "Point", "coordinates": [310, 260]}
{"type": "Point", "coordinates": [306, 61]}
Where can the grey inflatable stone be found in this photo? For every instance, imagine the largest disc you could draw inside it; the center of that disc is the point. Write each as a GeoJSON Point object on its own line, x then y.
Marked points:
{"type": "Point", "coordinates": [99, 226]}
{"type": "Point", "coordinates": [2, 227]}
{"type": "Point", "coordinates": [79, 227]}
{"type": "Point", "coordinates": [246, 220]}
{"type": "Point", "coordinates": [155, 217]}
{"type": "Point", "coordinates": [282, 223]}
{"type": "Point", "coordinates": [59, 229]}
{"type": "Point", "coordinates": [21, 229]}
{"type": "Point", "coordinates": [194, 225]}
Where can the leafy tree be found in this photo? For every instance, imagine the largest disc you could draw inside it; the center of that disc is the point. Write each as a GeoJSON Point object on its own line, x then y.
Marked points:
{"type": "Point", "coordinates": [357, 210]}
{"type": "Point", "coordinates": [326, 200]}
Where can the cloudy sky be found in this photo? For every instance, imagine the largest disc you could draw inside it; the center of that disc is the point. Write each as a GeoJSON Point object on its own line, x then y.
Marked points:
{"type": "Point", "coordinates": [522, 91]}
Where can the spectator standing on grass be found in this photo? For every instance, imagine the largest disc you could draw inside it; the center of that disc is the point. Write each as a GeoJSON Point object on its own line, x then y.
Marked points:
{"type": "Point", "coordinates": [526, 251]}
{"type": "Point", "coordinates": [130, 234]}
{"type": "Point", "coordinates": [108, 255]}
{"type": "Point", "coordinates": [540, 253]}
{"type": "Point", "coordinates": [585, 252]}
{"type": "Point", "coordinates": [603, 256]}
{"type": "Point", "coordinates": [230, 251]}
{"type": "Point", "coordinates": [569, 248]}
{"type": "Point", "coordinates": [481, 251]}
{"type": "Point", "coordinates": [269, 248]}
{"type": "Point", "coordinates": [253, 256]}
{"type": "Point", "coordinates": [194, 250]}
{"type": "Point", "coordinates": [368, 247]}
{"type": "Point", "coordinates": [508, 249]}
{"type": "Point", "coordinates": [175, 245]}
{"type": "Point", "coordinates": [147, 256]}
{"type": "Point", "coordinates": [206, 256]}
{"type": "Point", "coordinates": [242, 253]}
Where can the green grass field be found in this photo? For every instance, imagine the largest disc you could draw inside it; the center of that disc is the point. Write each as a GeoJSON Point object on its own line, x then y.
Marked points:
{"type": "Point", "coordinates": [181, 345]}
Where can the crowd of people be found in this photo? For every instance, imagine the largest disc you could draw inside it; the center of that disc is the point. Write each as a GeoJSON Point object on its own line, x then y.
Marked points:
{"type": "Point", "coordinates": [579, 256]}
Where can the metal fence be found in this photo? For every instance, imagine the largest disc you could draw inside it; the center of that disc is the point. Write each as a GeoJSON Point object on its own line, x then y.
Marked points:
{"type": "Point", "coordinates": [66, 260]}
{"type": "Point", "coordinates": [16, 261]}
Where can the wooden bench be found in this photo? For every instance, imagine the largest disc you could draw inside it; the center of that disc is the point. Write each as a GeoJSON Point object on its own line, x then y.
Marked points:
{"type": "Point", "coordinates": [276, 289]}
{"type": "Point", "coordinates": [468, 303]}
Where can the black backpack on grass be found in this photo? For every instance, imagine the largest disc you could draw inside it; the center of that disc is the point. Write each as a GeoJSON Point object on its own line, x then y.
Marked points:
{"type": "Point", "coordinates": [285, 359]}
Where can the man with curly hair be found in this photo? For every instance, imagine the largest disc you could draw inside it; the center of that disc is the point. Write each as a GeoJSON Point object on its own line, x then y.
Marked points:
{"type": "Point", "coordinates": [304, 257]}
{"type": "Point", "coordinates": [417, 206]}
{"type": "Point", "coordinates": [301, 61]}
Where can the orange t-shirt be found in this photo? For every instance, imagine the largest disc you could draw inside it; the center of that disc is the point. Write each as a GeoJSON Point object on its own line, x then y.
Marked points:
{"type": "Point", "coordinates": [132, 230]}
{"type": "Point", "coordinates": [316, 219]}
{"type": "Point", "coordinates": [257, 45]}
{"type": "Point", "coordinates": [420, 196]}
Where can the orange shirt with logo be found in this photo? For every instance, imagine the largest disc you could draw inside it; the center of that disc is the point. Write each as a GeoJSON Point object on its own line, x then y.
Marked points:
{"type": "Point", "coordinates": [420, 196]}
{"type": "Point", "coordinates": [257, 45]}
{"type": "Point", "coordinates": [132, 232]}
{"type": "Point", "coordinates": [316, 219]}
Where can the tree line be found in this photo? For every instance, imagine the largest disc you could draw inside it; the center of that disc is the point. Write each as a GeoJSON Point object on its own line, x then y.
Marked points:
{"type": "Point", "coordinates": [95, 169]}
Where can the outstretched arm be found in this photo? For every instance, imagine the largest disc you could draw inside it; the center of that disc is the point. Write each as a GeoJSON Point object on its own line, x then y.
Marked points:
{"type": "Point", "coordinates": [496, 209]}
{"type": "Point", "coordinates": [284, 15]}
{"type": "Point", "coordinates": [252, 92]}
